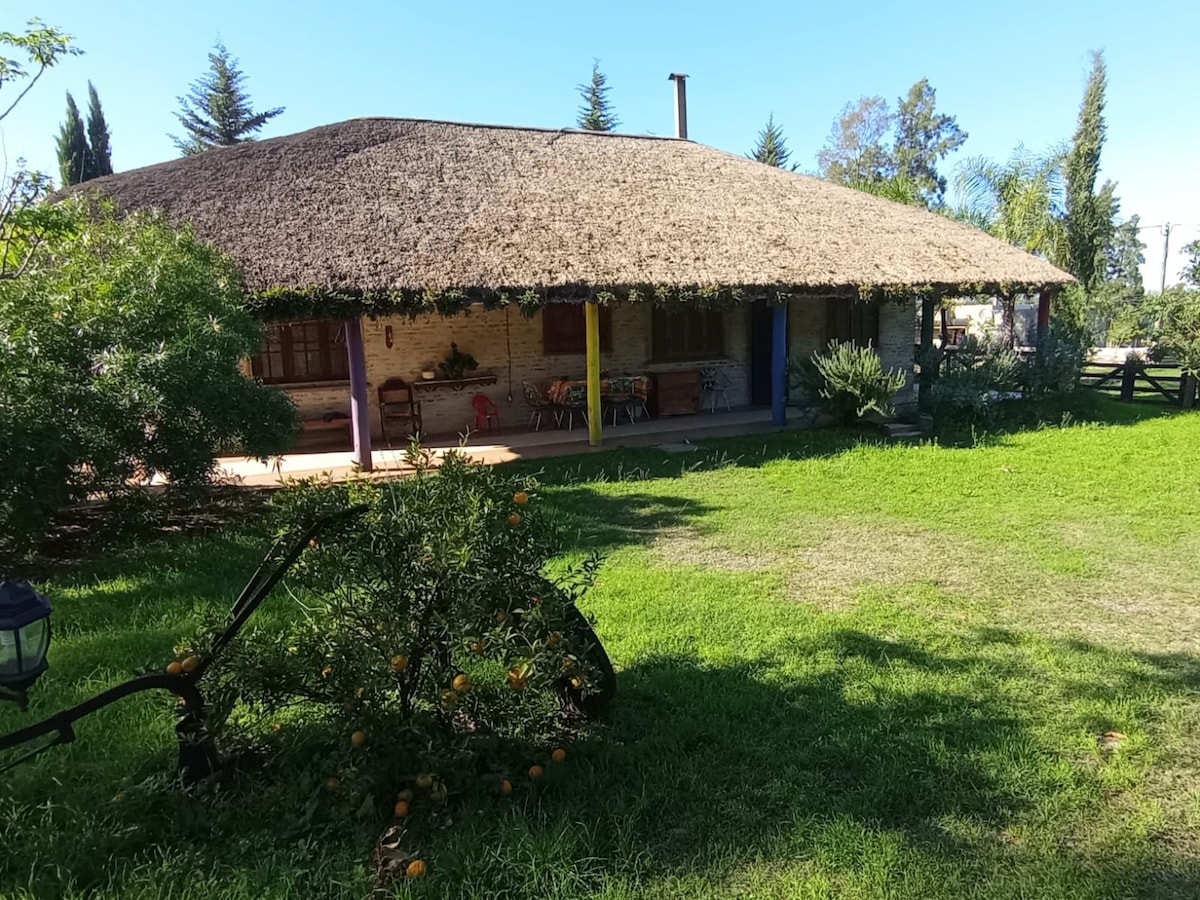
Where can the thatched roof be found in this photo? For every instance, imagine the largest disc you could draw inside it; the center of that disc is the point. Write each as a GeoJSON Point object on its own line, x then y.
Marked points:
{"type": "Point", "coordinates": [372, 205]}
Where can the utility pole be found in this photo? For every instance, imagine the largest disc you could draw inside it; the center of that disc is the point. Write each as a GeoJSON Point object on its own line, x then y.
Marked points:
{"type": "Point", "coordinates": [1166, 230]}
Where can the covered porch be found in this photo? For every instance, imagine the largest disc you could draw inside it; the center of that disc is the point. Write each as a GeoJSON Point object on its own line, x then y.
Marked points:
{"type": "Point", "coordinates": [492, 448]}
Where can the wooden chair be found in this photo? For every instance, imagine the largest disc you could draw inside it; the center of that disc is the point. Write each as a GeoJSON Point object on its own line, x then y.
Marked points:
{"type": "Point", "coordinates": [398, 410]}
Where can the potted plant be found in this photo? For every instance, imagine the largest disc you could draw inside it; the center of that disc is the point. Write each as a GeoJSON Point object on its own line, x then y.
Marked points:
{"type": "Point", "coordinates": [457, 364]}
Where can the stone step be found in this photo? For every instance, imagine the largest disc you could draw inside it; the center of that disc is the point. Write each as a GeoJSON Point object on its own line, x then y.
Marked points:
{"type": "Point", "coordinates": [891, 429]}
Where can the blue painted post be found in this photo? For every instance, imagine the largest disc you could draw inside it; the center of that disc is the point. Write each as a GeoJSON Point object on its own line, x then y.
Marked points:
{"type": "Point", "coordinates": [779, 364]}
{"type": "Point", "coordinates": [360, 408]}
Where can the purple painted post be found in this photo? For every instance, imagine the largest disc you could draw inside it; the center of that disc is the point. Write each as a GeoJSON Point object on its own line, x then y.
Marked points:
{"type": "Point", "coordinates": [360, 409]}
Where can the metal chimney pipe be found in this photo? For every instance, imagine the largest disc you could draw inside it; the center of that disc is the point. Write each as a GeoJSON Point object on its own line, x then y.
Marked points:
{"type": "Point", "coordinates": [680, 104]}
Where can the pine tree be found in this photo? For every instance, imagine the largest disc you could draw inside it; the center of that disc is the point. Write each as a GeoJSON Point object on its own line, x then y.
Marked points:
{"type": "Point", "coordinates": [217, 111]}
{"type": "Point", "coordinates": [1089, 214]}
{"type": "Point", "coordinates": [923, 139]}
{"type": "Point", "coordinates": [771, 147]}
{"type": "Point", "coordinates": [98, 134]}
{"type": "Point", "coordinates": [596, 114]}
{"type": "Point", "coordinates": [75, 163]}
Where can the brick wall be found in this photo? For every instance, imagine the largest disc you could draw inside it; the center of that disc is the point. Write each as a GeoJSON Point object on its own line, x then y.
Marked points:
{"type": "Point", "coordinates": [897, 322]}
{"type": "Point", "coordinates": [503, 340]}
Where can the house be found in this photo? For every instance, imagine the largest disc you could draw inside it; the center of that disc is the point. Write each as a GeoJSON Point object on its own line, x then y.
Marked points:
{"type": "Point", "coordinates": [372, 244]}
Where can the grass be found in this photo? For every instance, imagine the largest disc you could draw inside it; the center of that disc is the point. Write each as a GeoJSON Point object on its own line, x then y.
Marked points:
{"type": "Point", "coordinates": [848, 670]}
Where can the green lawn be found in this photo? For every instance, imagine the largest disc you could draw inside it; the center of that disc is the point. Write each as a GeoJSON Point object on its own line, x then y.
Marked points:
{"type": "Point", "coordinates": [847, 670]}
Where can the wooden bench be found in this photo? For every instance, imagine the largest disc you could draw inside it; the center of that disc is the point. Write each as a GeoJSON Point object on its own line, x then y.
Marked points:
{"type": "Point", "coordinates": [316, 430]}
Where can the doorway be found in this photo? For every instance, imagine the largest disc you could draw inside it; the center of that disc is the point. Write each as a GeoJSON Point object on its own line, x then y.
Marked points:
{"type": "Point", "coordinates": [762, 316]}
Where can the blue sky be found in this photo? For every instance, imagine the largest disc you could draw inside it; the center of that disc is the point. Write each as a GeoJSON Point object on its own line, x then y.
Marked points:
{"type": "Point", "coordinates": [1011, 72]}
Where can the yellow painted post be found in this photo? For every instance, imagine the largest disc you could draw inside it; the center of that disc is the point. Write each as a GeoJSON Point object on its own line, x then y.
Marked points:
{"type": "Point", "coordinates": [593, 372]}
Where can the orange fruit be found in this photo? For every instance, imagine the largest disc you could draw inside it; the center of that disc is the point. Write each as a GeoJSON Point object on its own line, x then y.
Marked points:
{"type": "Point", "coordinates": [325, 672]}
{"type": "Point", "coordinates": [501, 615]}
{"type": "Point", "coordinates": [425, 782]}
{"type": "Point", "coordinates": [406, 795]}
{"type": "Point", "coordinates": [536, 771]}
{"type": "Point", "coordinates": [514, 519]}
{"type": "Point", "coordinates": [415, 869]}
{"type": "Point", "coordinates": [461, 683]}
{"type": "Point", "coordinates": [506, 787]}
{"type": "Point", "coordinates": [520, 498]}
{"type": "Point", "coordinates": [448, 699]}
{"type": "Point", "coordinates": [400, 809]}
{"type": "Point", "coordinates": [331, 783]}
{"type": "Point", "coordinates": [479, 646]}
{"type": "Point", "coordinates": [278, 726]}
{"type": "Point", "coordinates": [191, 663]}
{"type": "Point", "coordinates": [559, 755]}
{"type": "Point", "coordinates": [553, 639]}
{"type": "Point", "coordinates": [577, 682]}
{"type": "Point", "coordinates": [358, 739]}
{"type": "Point", "coordinates": [568, 663]}
{"type": "Point", "coordinates": [175, 668]}
{"type": "Point", "coordinates": [399, 662]}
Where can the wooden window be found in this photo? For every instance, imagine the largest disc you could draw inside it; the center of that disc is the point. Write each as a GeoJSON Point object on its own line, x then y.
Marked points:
{"type": "Point", "coordinates": [294, 352]}
{"type": "Point", "coordinates": [564, 328]}
{"type": "Point", "coordinates": [856, 321]}
{"type": "Point", "coordinates": [687, 334]}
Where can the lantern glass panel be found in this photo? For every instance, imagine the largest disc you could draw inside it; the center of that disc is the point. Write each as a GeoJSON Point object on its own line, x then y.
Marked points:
{"type": "Point", "coordinates": [10, 664]}
{"type": "Point", "coordinates": [34, 640]}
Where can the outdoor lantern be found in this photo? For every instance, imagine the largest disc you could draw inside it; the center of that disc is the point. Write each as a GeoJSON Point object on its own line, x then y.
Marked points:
{"type": "Point", "coordinates": [24, 635]}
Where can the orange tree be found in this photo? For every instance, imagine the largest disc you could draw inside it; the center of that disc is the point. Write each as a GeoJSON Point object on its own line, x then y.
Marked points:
{"type": "Point", "coordinates": [428, 628]}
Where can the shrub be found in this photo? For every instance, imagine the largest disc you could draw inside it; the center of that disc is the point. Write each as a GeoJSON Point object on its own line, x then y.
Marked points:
{"type": "Point", "coordinates": [973, 378]}
{"type": "Point", "coordinates": [850, 381]}
{"type": "Point", "coordinates": [1176, 330]}
{"type": "Point", "coordinates": [430, 624]}
{"type": "Point", "coordinates": [1054, 366]}
{"type": "Point", "coordinates": [119, 351]}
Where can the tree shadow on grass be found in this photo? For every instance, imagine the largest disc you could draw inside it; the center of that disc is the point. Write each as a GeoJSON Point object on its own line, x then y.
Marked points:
{"type": "Point", "coordinates": [596, 522]}
{"type": "Point", "coordinates": [874, 766]}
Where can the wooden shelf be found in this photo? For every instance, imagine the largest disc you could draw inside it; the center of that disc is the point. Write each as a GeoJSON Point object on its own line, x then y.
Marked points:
{"type": "Point", "coordinates": [454, 384]}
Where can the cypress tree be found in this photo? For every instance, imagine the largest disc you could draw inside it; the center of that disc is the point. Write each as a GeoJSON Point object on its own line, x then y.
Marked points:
{"type": "Point", "coordinates": [98, 135]}
{"type": "Point", "coordinates": [771, 147]}
{"type": "Point", "coordinates": [75, 163]}
{"type": "Point", "coordinates": [217, 111]}
{"type": "Point", "coordinates": [596, 114]}
{"type": "Point", "coordinates": [1088, 214]}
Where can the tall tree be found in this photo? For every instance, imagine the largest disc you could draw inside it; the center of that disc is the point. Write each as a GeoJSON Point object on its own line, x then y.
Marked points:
{"type": "Point", "coordinates": [1124, 255]}
{"type": "Point", "coordinates": [75, 161]}
{"type": "Point", "coordinates": [1018, 201]}
{"type": "Point", "coordinates": [1114, 307]}
{"type": "Point", "coordinates": [596, 113]}
{"type": "Point", "coordinates": [771, 147]}
{"type": "Point", "coordinates": [1191, 271]}
{"type": "Point", "coordinates": [854, 152]}
{"type": "Point", "coordinates": [1089, 213]}
{"type": "Point", "coordinates": [217, 111]}
{"type": "Point", "coordinates": [98, 134]}
{"type": "Point", "coordinates": [924, 138]}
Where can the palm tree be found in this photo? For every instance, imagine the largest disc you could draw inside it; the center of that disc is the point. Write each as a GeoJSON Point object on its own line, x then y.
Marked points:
{"type": "Point", "coordinates": [1019, 201]}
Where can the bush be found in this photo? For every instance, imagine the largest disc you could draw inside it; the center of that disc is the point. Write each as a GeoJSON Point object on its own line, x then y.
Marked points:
{"type": "Point", "coordinates": [848, 381]}
{"type": "Point", "coordinates": [430, 625]}
{"type": "Point", "coordinates": [1055, 364]}
{"type": "Point", "coordinates": [119, 352]}
{"type": "Point", "coordinates": [974, 378]}
{"type": "Point", "coordinates": [1176, 330]}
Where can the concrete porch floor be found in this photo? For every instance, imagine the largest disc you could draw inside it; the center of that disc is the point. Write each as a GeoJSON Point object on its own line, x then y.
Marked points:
{"type": "Point", "coordinates": [498, 447]}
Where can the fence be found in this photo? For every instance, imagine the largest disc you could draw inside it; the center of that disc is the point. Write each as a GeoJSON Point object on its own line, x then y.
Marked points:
{"type": "Point", "coordinates": [1140, 381]}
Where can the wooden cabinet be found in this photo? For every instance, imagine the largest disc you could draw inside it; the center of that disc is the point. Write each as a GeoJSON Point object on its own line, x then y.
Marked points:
{"type": "Point", "coordinates": [676, 393]}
